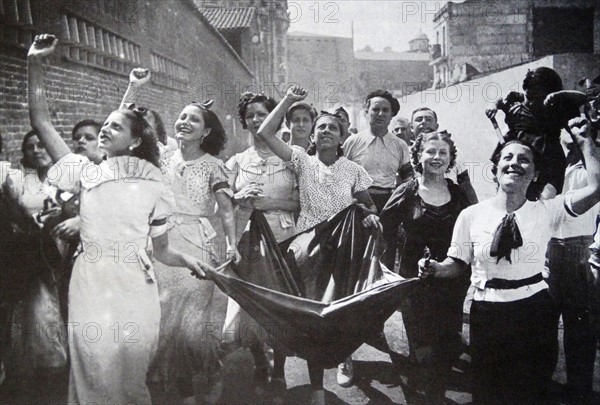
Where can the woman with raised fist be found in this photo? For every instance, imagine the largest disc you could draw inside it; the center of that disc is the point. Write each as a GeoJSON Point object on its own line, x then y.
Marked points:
{"type": "Point", "coordinates": [114, 308]}
{"type": "Point", "coordinates": [504, 239]}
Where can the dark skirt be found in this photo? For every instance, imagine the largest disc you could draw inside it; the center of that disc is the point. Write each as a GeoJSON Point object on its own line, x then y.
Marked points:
{"type": "Point", "coordinates": [514, 347]}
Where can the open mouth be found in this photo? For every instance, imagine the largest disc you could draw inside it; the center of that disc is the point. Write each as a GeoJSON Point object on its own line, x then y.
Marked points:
{"type": "Point", "coordinates": [184, 130]}
{"type": "Point", "coordinates": [514, 172]}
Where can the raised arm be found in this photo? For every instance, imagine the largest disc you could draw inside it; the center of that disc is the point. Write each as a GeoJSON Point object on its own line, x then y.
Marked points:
{"type": "Point", "coordinates": [585, 198]}
{"type": "Point", "coordinates": [269, 127]}
{"type": "Point", "coordinates": [39, 116]}
{"type": "Point", "coordinates": [137, 78]}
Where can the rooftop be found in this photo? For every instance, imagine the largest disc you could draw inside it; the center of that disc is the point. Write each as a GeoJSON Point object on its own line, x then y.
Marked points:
{"type": "Point", "coordinates": [407, 56]}
{"type": "Point", "coordinates": [229, 18]}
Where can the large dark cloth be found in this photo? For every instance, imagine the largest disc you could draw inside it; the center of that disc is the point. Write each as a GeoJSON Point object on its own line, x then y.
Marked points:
{"type": "Point", "coordinates": [336, 294]}
{"type": "Point", "coordinates": [32, 333]}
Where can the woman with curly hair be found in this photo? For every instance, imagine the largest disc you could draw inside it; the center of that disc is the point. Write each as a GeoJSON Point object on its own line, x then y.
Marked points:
{"type": "Point", "coordinates": [261, 181]}
{"type": "Point", "coordinates": [504, 239]}
{"type": "Point", "coordinates": [198, 182]}
{"type": "Point", "coordinates": [114, 308]}
{"type": "Point", "coordinates": [426, 208]}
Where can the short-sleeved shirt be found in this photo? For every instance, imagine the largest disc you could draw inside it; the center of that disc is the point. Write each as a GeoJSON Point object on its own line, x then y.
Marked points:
{"type": "Point", "coordinates": [472, 240]}
{"type": "Point", "coordinates": [381, 156]}
{"type": "Point", "coordinates": [194, 183]}
{"type": "Point", "coordinates": [277, 179]}
{"type": "Point", "coordinates": [584, 224]}
{"type": "Point", "coordinates": [122, 199]}
{"type": "Point", "coordinates": [325, 190]}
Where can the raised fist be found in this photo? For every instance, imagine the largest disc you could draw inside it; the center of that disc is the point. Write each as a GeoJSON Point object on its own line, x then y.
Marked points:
{"type": "Point", "coordinates": [139, 76]}
{"type": "Point", "coordinates": [580, 128]}
{"type": "Point", "coordinates": [43, 45]}
{"type": "Point", "coordinates": [296, 93]}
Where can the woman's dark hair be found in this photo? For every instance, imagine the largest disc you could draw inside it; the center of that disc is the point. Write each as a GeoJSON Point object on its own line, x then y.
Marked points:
{"type": "Point", "coordinates": [312, 148]}
{"type": "Point", "coordinates": [86, 123]}
{"type": "Point", "coordinates": [535, 188]}
{"type": "Point", "coordinates": [215, 141]}
{"type": "Point", "coordinates": [417, 148]}
{"type": "Point", "coordinates": [248, 98]}
{"type": "Point", "coordinates": [159, 129]}
{"type": "Point", "coordinates": [25, 162]}
{"type": "Point", "coordinates": [544, 77]}
{"type": "Point", "coordinates": [140, 128]}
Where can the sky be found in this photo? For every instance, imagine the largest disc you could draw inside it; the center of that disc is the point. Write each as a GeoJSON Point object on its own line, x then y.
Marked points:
{"type": "Point", "coordinates": [376, 23]}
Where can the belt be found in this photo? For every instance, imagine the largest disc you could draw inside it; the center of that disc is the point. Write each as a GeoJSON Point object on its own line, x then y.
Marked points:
{"type": "Point", "coordinates": [574, 240]}
{"type": "Point", "coordinates": [503, 284]}
{"type": "Point", "coordinates": [380, 190]}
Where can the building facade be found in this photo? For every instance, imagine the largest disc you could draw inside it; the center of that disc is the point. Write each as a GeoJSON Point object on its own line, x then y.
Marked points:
{"type": "Point", "coordinates": [100, 42]}
{"type": "Point", "coordinates": [262, 42]}
{"type": "Point", "coordinates": [335, 74]}
{"type": "Point", "coordinates": [476, 37]}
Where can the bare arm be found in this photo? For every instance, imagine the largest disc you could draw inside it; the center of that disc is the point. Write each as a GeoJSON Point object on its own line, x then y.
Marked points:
{"type": "Point", "coordinates": [228, 218]}
{"type": "Point", "coordinates": [585, 198]}
{"type": "Point", "coordinates": [269, 127]}
{"type": "Point", "coordinates": [39, 115]}
{"type": "Point", "coordinates": [171, 257]}
{"type": "Point", "coordinates": [137, 78]}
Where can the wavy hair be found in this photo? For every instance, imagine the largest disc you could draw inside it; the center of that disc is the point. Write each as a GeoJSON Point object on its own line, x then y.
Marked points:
{"type": "Point", "coordinates": [248, 98]}
{"type": "Point", "coordinates": [416, 148]}
{"type": "Point", "coordinates": [140, 128]}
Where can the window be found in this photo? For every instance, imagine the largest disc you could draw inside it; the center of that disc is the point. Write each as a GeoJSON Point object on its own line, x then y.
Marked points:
{"type": "Point", "coordinates": [16, 23]}
{"type": "Point", "coordinates": [167, 72]}
{"type": "Point", "coordinates": [91, 44]}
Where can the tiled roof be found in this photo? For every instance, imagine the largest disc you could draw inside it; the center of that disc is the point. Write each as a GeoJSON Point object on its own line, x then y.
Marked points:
{"type": "Point", "coordinates": [229, 18]}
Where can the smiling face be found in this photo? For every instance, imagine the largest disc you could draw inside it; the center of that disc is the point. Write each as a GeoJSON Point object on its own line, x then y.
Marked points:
{"type": "Point", "coordinates": [300, 123]}
{"type": "Point", "coordinates": [115, 137]}
{"type": "Point", "coordinates": [35, 153]}
{"type": "Point", "coordinates": [379, 113]}
{"type": "Point", "coordinates": [190, 126]}
{"type": "Point", "coordinates": [435, 157]}
{"type": "Point", "coordinates": [256, 113]}
{"type": "Point", "coordinates": [516, 168]}
{"type": "Point", "coordinates": [85, 141]}
{"type": "Point", "coordinates": [423, 121]}
{"type": "Point", "coordinates": [327, 133]}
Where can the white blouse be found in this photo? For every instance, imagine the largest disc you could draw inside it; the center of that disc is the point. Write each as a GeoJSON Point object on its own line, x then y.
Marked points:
{"type": "Point", "coordinates": [473, 235]}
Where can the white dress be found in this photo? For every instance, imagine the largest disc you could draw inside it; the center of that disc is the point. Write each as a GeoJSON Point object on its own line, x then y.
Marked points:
{"type": "Point", "coordinates": [114, 310]}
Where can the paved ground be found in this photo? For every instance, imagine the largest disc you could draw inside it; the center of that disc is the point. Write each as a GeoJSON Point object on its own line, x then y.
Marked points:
{"type": "Point", "coordinates": [376, 381]}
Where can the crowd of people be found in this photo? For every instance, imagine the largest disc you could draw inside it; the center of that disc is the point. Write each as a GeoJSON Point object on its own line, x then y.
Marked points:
{"type": "Point", "coordinates": [138, 210]}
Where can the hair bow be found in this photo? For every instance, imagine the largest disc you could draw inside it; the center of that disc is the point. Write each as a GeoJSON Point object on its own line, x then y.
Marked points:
{"type": "Point", "coordinates": [335, 115]}
{"type": "Point", "coordinates": [205, 106]}
{"type": "Point", "coordinates": [139, 111]}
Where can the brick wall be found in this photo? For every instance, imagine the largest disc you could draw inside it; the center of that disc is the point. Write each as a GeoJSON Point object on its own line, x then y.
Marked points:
{"type": "Point", "coordinates": [193, 63]}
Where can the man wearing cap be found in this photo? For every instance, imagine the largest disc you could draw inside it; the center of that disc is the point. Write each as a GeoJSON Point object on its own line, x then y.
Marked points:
{"type": "Point", "coordinates": [384, 157]}
{"type": "Point", "coordinates": [424, 119]}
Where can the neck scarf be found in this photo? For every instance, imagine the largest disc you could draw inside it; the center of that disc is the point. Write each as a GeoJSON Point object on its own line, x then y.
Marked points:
{"type": "Point", "coordinates": [506, 238]}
